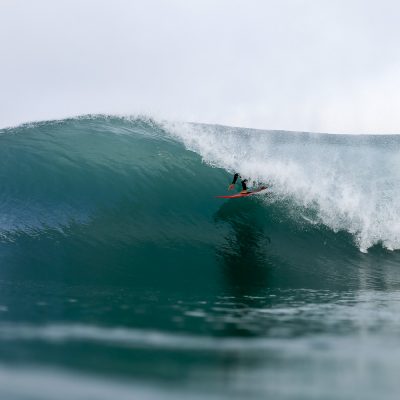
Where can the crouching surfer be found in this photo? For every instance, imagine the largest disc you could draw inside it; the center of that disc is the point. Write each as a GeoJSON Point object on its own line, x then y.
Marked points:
{"type": "Point", "coordinates": [244, 183]}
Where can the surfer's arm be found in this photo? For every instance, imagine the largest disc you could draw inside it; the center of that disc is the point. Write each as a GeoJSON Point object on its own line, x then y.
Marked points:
{"type": "Point", "coordinates": [235, 178]}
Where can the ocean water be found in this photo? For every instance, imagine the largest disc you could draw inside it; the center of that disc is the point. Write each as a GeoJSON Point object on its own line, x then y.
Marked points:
{"type": "Point", "coordinates": [122, 276]}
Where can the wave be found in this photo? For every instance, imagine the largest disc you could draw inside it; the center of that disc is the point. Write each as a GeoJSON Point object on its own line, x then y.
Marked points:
{"type": "Point", "coordinates": [135, 338]}
{"type": "Point", "coordinates": [132, 197]}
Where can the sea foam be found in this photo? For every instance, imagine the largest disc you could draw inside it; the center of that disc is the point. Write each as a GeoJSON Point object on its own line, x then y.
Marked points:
{"type": "Point", "coordinates": [349, 182]}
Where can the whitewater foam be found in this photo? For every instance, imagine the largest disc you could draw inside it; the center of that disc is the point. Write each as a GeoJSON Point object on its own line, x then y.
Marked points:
{"type": "Point", "coordinates": [350, 183]}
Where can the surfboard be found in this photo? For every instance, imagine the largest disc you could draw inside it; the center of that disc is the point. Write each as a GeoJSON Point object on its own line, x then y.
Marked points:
{"type": "Point", "coordinates": [238, 195]}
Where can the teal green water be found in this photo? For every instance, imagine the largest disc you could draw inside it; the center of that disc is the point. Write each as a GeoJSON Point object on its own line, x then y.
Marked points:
{"type": "Point", "coordinates": [121, 274]}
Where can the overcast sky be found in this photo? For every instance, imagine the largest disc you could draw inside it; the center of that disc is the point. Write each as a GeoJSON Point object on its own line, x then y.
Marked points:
{"type": "Point", "coordinates": [304, 65]}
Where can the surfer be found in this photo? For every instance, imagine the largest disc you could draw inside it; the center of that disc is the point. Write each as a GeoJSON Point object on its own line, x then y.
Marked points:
{"type": "Point", "coordinates": [244, 183]}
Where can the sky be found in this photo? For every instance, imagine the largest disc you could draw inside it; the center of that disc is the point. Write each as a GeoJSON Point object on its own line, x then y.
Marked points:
{"type": "Point", "coordinates": [303, 65]}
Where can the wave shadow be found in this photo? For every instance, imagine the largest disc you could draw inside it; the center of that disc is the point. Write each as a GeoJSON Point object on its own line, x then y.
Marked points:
{"type": "Point", "coordinates": [243, 252]}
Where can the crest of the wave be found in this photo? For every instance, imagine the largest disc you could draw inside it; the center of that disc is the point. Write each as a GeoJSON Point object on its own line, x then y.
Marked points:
{"type": "Point", "coordinates": [348, 182]}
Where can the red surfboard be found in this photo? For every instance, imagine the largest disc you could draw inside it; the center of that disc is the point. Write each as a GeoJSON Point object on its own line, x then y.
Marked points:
{"type": "Point", "coordinates": [238, 195]}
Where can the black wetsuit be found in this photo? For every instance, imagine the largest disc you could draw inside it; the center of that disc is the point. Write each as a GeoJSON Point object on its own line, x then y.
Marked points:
{"type": "Point", "coordinates": [244, 181]}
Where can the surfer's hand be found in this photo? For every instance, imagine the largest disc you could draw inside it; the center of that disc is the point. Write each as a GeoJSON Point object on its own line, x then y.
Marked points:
{"type": "Point", "coordinates": [231, 186]}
